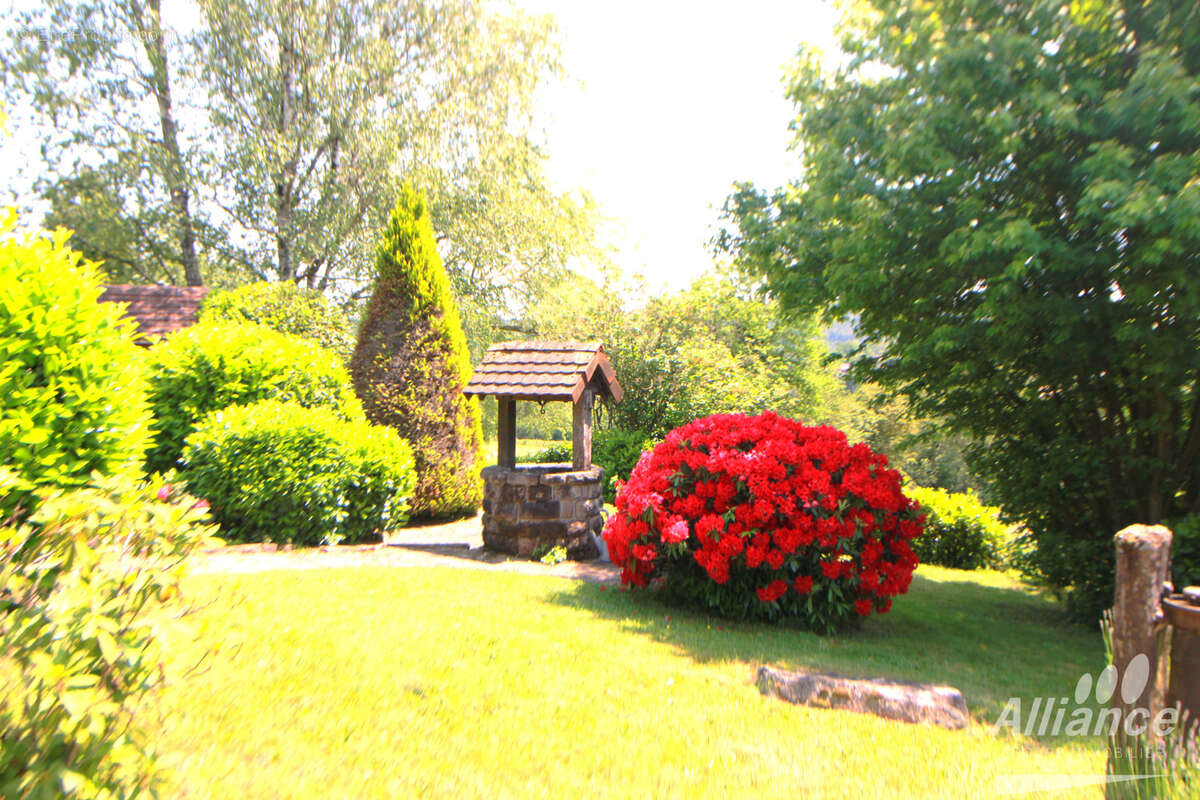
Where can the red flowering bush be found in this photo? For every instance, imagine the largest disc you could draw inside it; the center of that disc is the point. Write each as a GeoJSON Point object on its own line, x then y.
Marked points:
{"type": "Point", "coordinates": [762, 517]}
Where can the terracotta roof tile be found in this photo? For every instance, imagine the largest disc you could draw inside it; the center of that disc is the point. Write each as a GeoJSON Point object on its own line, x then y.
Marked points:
{"type": "Point", "coordinates": [544, 371]}
{"type": "Point", "coordinates": [158, 310]}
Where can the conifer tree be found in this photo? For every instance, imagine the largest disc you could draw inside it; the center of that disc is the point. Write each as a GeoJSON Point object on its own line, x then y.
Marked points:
{"type": "Point", "coordinates": [411, 364]}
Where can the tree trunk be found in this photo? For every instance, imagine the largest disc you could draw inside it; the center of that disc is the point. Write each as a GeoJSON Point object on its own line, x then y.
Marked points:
{"type": "Point", "coordinates": [150, 25]}
{"type": "Point", "coordinates": [285, 178]}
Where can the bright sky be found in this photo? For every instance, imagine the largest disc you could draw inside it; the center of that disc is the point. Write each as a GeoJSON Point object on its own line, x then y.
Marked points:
{"type": "Point", "coordinates": [671, 103]}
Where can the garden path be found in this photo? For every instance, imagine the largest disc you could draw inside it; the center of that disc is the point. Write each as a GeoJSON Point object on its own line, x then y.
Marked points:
{"type": "Point", "coordinates": [452, 544]}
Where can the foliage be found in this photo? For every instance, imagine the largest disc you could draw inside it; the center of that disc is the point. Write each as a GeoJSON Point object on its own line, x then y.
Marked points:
{"type": "Point", "coordinates": [72, 394]}
{"type": "Point", "coordinates": [960, 531]}
{"type": "Point", "coordinates": [1185, 551]}
{"type": "Point", "coordinates": [1145, 768]}
{"type": "Point", "coordinates": [613, 450]}
{"type": "Point", "coordinates": [1003, 197]}
{"type": "Point", "coordinates": [410, 364]}
{"type": "Point", "coordinates": [761, 517]}
{"type": "Point", "coordinates": [216, 365]}
{"type": "Point", "coordinates": [550, 555]}
{"type": "Point", "coordinates": [199, 151]}
{"type": "Point", "coordinates": [86, 73]}
{"type": "Point", "coordinates": [283, 473]}
{"type": "Point", "coordinates": [713, 348]}
{"type": "Point", "coordinates": [361, 92]}
{"type": "Point", "coordinates": [87, 580]}
{"type": "Point", "coordinates": [287, 308]}
{"type": "Point", "coordinates": [236, 739]}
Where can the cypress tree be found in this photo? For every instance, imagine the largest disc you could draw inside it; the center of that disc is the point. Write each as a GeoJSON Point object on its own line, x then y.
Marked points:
{"type": "Point", "coordinates": [411, 363]}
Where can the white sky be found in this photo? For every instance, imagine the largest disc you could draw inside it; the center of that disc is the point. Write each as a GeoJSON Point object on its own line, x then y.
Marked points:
{"type": "Point", "coordinates": [671, 103]}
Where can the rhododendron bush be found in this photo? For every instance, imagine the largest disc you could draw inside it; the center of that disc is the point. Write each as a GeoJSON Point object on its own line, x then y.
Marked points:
{"type": "Point", "coordinates": [762, 517]}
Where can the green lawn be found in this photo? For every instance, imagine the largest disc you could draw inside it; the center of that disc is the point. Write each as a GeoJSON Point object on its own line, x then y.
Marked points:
{"type": "Point", "coordinates": [525, 448]}
{"type": "Point", "coordinates": [462, 683]}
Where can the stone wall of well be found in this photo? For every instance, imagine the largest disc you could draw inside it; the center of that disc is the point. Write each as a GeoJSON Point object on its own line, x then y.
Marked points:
{"type": "Point", "coordinates": [533, 507]}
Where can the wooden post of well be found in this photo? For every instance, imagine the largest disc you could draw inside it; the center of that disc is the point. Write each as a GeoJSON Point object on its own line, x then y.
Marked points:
{"type": "Point", "coordinates": [506, 432]}
{"type": "Point", "coordinates": [581, 432]}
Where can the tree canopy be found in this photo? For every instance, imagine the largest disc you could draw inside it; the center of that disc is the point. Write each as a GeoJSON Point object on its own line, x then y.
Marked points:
{"type": "Point", "coordinates": [267, 139]}
{"type": "Point", "coordinates": [1006, 197]}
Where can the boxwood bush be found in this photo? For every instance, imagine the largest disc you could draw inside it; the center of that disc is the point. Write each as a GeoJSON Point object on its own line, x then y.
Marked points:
{"type": "Point", "coordinates": [283, 473]}
{"type": "Point", "coordinates": [960, 531]}
{"type": "Point", "coordinates": [287, 308]}
{"type": "Point", "coordinates": [217, 365]}
{"type": "Point", "coordinates": [72, 394]}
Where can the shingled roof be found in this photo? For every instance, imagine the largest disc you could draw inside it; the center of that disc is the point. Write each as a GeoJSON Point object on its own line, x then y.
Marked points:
{"type": "Point", "coordinates": [157, 310]}
{"type": "Point", "coordinates": [544, 371]}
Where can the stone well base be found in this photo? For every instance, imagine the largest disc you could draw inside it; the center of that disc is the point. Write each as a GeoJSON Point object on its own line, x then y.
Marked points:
{"type": "Point", "coordinates": [533, 507]}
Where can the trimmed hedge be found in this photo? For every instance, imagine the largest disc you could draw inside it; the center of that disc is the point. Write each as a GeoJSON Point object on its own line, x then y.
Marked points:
{"type": "Point", "coordinates": [217, 365]}
{"type": "Point", "coordinates": [960, 531]}
{"type": "Point", "coordinates": [287, 308]}
{"type": "Point", "coordinates": [72, 392]}
{"type": "Point", "coordinates": [283, 473]}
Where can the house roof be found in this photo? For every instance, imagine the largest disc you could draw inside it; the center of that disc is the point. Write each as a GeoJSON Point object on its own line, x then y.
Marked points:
{"type": "Point", "coordinates": [544, 371]}
{"type": "Point", "coordinates": [157, 310]}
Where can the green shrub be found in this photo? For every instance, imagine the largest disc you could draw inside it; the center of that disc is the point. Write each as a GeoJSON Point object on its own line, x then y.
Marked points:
{"type": "Point", "coordinates": [960, 531]}
{"type": "Point", "coordinates": [613, 450]}
{"type": "Point", "coordinates": [218, 365]}
{"type": "Point", "coordinates": [287, 308]}
{"type": "Point", "coordinates": [411, 363]}
{"type": "Point", "coordinates": [283, 473]}
{"type": "Point", "coordinates": [72, 395]}
{"type": "Point", "coordinates": [88, 582]}
{"type": "Point", "coordinates": [1185, 551]}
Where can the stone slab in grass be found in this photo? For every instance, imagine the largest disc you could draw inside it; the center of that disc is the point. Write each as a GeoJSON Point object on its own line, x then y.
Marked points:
{"type": "Point", "coordinates": [895, 700]}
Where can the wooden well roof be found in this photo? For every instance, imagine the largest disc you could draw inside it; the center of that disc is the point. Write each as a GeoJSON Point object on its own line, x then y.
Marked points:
{"type": "Point", "coordinates": [157, 310]}
{"type": "Point", "coordinates": [544, 371]}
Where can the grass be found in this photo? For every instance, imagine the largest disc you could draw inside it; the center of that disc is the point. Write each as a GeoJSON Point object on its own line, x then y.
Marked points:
{"type": "Point", "coordinates": [525, 448]}
{"type": "Point", "coordinates": [381, 683]}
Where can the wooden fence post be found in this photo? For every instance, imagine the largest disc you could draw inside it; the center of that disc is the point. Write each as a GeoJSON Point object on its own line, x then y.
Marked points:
{"type": "Point", "coordinates": [1143, 556]}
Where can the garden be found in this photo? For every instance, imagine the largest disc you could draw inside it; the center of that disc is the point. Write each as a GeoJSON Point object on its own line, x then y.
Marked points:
{"type": "Point", "coordinates": [883, 444]}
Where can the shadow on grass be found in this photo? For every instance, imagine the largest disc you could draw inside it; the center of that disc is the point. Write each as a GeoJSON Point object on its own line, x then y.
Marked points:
{"type": "Point", "coordinates": [992, 643]}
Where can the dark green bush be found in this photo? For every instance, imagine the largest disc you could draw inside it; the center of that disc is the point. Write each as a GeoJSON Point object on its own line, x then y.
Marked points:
{"type": "Point", "coordinates": [81, 643]}
{"type": "Point", "coordinates": [411, 363]}
{"type": "Point", "coordinates": [1185, 551]}
{"type": "Point", "coordinates": [287, 308]}
{"type": "Point", "coordinates": [72, 394]}
{"type": "Point", "coordinates": [283, 473]}
{"type": "Point", "coordinates": [960, 531]}
{"type": "Point", "coordinates": [613, 450]}
{"type": "Point", "coordinates": [218, 365]}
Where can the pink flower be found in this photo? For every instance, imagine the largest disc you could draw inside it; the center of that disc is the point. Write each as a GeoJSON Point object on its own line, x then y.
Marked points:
{"type": "Point", "coordinates": [676, 533]}
{"type": "Point", "coordinates": [164, 492]}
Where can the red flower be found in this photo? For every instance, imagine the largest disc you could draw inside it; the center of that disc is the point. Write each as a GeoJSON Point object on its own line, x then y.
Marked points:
{"type": "Point", "coordinates": [772, 591]}
{"type": "Point", "coordinates": [740, 493]}
{"type": "Point", "coordinates": [677, 532]}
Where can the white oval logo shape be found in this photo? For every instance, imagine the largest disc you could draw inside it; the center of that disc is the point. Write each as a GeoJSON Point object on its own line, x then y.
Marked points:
{"type": "Point", "coordinates": [1137, 674]}
{"type": "Point", "coordinates": [1083, 688]}
{"type": "Point", "coordinates": [1106, 684]}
